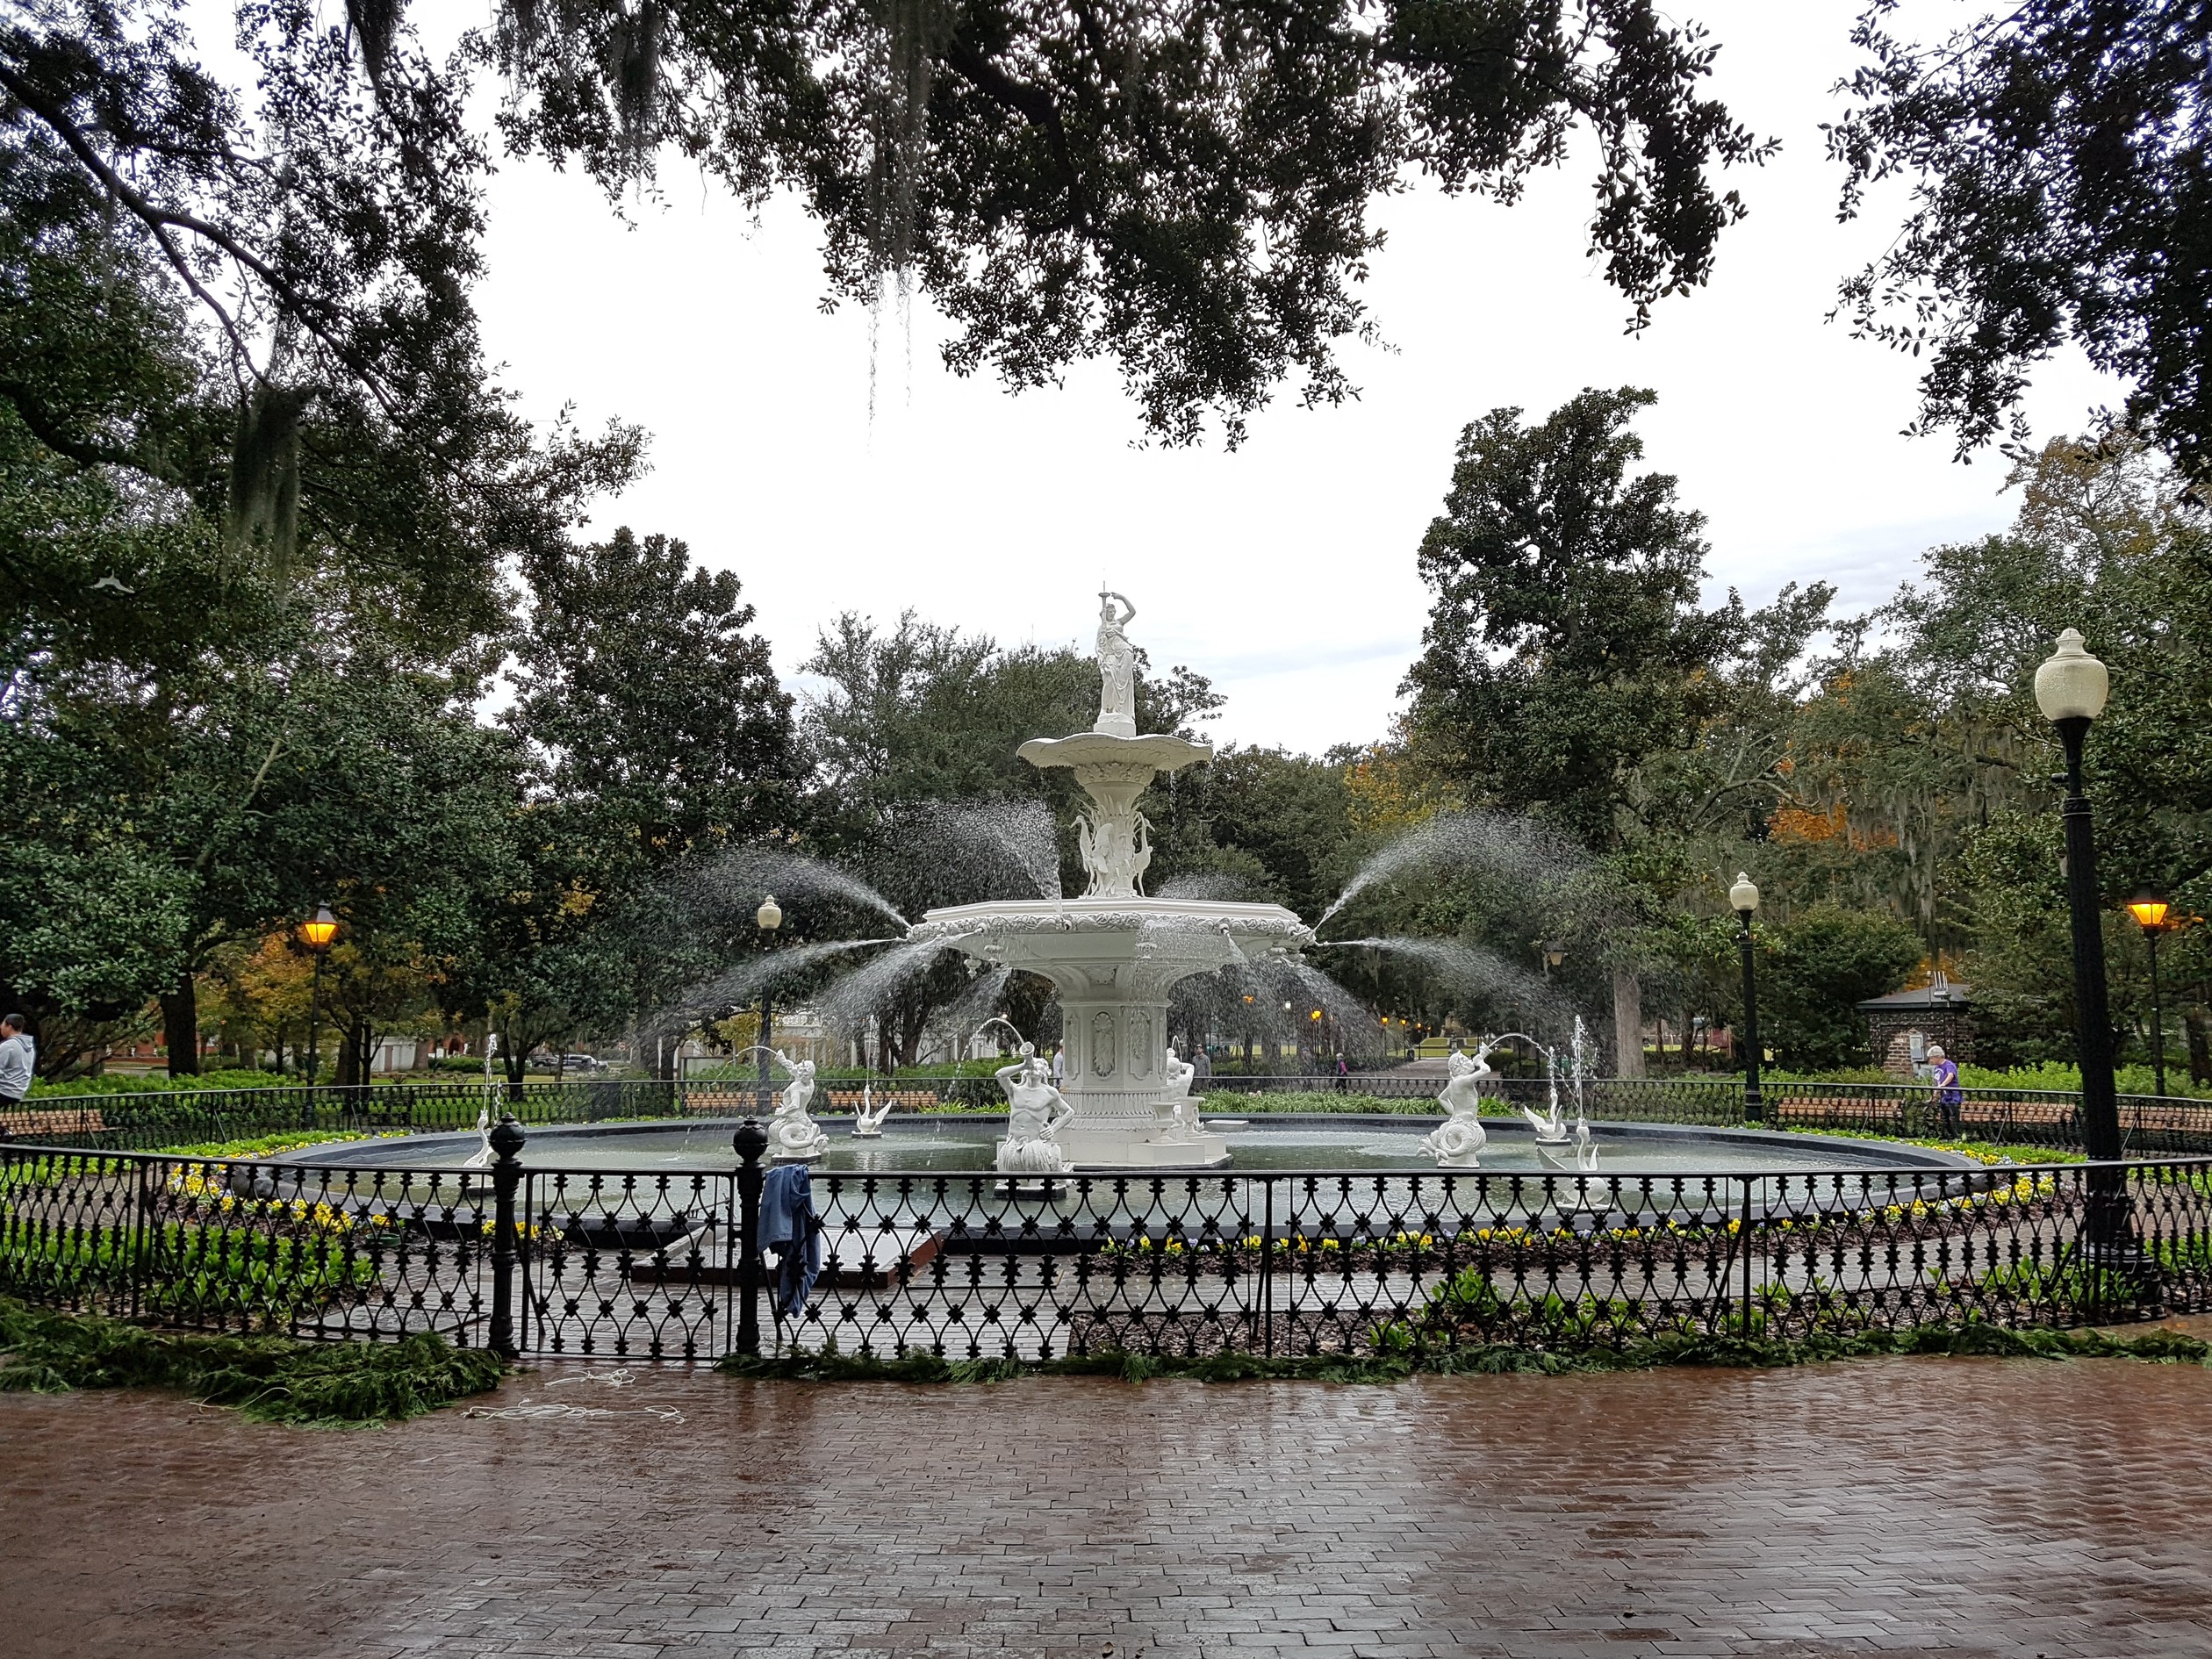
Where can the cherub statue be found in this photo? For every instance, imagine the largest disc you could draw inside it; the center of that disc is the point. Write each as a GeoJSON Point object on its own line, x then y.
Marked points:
{"type": "Point", "coordinates": [1035, 1111]}
{"type": "Point", "coordinates": [1457, 1142]}
{"type": "Point", "coordinates": [792, 1133]}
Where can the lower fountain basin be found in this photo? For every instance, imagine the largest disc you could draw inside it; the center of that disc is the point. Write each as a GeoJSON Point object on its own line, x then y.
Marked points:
{"type": "Point", "coordinates": [1325, 1141]}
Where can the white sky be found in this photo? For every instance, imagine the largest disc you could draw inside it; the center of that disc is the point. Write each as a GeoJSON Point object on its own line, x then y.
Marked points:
{"type": "Point", "coordinates": [1286, 569]}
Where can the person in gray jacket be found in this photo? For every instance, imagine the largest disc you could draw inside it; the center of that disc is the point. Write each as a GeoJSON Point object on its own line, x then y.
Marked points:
{"type": "Point", "coordinates": [19, 1056]}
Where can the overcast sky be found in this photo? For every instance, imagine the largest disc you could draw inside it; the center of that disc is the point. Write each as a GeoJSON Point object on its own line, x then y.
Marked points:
{"type": "Point", "coordinates": [1284, 570]}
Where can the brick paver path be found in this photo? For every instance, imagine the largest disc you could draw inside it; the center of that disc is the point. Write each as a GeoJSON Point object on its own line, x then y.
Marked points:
{"type": "Point", "coordinates": [1977, 1507]}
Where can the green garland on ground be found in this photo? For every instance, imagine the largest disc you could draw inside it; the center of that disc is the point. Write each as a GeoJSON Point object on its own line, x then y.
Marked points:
{"type": "Point", "coordinates": [271, 1379]}
{"type": "Point", "coordinates": [832, 1365]}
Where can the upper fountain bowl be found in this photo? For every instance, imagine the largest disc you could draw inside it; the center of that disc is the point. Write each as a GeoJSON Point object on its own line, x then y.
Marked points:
{"type": "Point", "coordinates": [1155, 752]}
{"type": "Point", "coordinates": [1194, 934]}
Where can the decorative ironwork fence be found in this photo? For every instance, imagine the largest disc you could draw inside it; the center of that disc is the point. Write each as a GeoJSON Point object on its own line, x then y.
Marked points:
{"type": "Point", "coordinates": [578, 1262]}
{"type": "Point", "coordinates": [2151, 1125]}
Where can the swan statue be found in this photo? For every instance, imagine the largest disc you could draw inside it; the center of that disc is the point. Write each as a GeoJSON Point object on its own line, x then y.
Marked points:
{"type": "Point", "coordinates": [867, 1117]}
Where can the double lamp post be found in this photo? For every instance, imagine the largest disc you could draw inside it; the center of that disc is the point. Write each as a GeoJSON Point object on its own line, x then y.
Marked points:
{"type": "Point", "coordinates": [2070, 690]}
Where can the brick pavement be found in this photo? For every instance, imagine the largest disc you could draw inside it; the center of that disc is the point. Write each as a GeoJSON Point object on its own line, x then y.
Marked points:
{"type": "Point", "coordinates": [1973, 1507]}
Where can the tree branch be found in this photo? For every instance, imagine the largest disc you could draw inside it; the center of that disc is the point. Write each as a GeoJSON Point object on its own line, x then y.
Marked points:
{"type": "Point", "coordinates": [159, 221]}
{"type": "Point", "coordinates": [48, 432]}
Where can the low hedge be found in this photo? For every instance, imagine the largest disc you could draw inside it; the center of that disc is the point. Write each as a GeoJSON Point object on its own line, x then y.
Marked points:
{"type": "Point", "coordinates": [271, 1379]}
{"type": "Point", "coordinates": [1983, 1340]}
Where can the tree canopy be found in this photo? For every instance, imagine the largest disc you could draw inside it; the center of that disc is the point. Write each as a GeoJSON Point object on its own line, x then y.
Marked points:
{"type": "Point", "coordinates": [2062, 194]}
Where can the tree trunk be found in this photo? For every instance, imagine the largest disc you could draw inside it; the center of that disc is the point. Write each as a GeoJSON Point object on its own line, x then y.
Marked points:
{"type": "Point", "coordinates": [180, 1027]}
{"type": "Point", "coordinates": [2199, 1030]}
{"type": "Point", "coordinates": [1628, 1057]}
{"type": "Point", "coordinates": [913, 1025]}
{"type": "Point", "coordinates": [351, 1062]}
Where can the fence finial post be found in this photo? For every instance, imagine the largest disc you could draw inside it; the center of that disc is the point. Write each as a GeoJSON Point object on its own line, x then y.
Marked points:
{"type": "Point", "coordinates": [748, 1142]}
{"type": "Point", "coordinates": [506, 1176]}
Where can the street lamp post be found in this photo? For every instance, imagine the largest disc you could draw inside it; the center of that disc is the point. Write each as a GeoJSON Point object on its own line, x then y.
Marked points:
{"type": "Point", "coordinates": [1743, 899]}
{"type": "Point", "coordinates": [2071, 689]}
{"type": "Point", "coordinates": [318, 932]}
{"type": "Point", "coordinates": [770, 916]}
{"type": "Point", "coordinates": [2150, 916]}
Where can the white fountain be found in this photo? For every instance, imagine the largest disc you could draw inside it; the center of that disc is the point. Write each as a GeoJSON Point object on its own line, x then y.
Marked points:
{"type": "Point", "coordinates": [1114, 955]}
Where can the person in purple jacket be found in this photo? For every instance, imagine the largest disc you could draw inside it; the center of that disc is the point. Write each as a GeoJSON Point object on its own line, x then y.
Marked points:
{"type": "Point", "coordinates": [1949, 1096]}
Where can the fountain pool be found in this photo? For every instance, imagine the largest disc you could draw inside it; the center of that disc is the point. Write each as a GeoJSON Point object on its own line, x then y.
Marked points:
{"type": "Point", "coordinates": [1276, 1143]}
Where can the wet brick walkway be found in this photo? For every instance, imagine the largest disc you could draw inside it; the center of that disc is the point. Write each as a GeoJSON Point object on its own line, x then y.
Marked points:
{"type": "Point", "coordinates": [1971, 1507]}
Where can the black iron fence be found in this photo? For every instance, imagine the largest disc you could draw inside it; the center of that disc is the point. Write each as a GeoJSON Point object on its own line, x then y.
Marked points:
{"type": "Point", "coordinates": [672, 1265]}
{"type": "Point", "coordinates": [2150, 1125]}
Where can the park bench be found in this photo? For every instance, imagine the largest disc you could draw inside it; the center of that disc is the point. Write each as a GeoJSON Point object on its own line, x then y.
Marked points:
{"type": "Point", "coordinates": [81, 1120]}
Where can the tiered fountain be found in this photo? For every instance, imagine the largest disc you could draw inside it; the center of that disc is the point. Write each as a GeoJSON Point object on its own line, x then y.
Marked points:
{"type": "Point", "coordinates": [1114, 955]}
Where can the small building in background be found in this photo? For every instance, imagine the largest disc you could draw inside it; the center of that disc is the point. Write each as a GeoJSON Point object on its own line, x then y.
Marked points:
{"type": "Point", "coordinates": [1902, 1027]}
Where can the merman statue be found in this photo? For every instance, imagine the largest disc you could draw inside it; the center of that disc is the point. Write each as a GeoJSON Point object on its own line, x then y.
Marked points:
{"type": "Point", "coordinates": [1177, 1114]}
{"type": "Point", "coordinates": [1034, 1112]}
{"type": "Point", "coordinates": [1457, 1142]}
{"type": "Point", "coordinates": [792, 1133]}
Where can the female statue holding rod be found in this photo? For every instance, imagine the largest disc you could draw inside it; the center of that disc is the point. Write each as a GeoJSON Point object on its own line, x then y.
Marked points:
{"type": "Point", "coordinates": [1116, 668]}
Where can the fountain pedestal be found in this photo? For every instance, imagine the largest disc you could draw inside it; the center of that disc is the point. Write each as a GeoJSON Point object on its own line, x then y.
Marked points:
{"type": "Point", "coordinates": [1114, 962]}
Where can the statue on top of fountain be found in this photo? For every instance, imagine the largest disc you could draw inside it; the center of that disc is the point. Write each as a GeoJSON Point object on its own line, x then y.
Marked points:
{"type": "Point", "coordinates": [1116, 668]}
{"type": "Point", "coordinates": [1457, 1142]}
{"type": "Point", "coordinates": [1035, 1110]}
{"type": "Point", "coordinates": [1113, 765]}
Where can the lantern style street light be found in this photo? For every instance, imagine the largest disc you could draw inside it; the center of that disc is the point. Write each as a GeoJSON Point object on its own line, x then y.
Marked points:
{"type": "Point", "coordinates": [318, 932]}
{"type": "Point", "coordinates": [2070, 690]}
{"type": "Point", "coordinates": [1743, 899]}
{"type": "Point", "coordinates": [2150, 916]}
{"type": "Point", "coordinates": [770, 917]}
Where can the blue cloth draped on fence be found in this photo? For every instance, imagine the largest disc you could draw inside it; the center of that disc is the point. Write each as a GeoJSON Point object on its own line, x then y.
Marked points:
{"type": "Point", "coordinates": [787, 1226]}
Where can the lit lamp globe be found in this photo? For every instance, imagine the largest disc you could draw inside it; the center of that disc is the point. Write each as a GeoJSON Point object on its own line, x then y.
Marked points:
{"type": "Point", "coordinates": [2073, 685]}
{"type": "Point", "coordinates": [770, 916]}
{"type": "Point", "coordinates": [318, 929]}
{"type": "Point", "coordinates": [2149, 911]}
{"type": "Point", "coordinates": [1743, 898]}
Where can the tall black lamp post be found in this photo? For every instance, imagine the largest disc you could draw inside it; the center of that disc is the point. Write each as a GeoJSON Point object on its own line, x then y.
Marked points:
{"type": "Point", "coordinates": [770, 916]}
{"type": "Point", "coordinates": [318, 933]}
{"type": "Point", "coordinates": [1743, 899]}
{"type": "Point", "coordinates": [2150, 916]}
{"type": "Point", "coordinates": [2070, 690]}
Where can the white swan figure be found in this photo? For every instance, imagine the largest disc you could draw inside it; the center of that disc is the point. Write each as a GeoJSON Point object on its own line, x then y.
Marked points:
{"type": "Point", "coordinates": [868, 1124]}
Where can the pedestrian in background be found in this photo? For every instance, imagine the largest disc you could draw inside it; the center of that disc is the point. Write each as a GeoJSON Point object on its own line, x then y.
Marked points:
{"type": "Point", "coordinates": [18, 1061]}
{"type": "Point", "coordinates": [1949, 1096]}
{"type": "Point", "coordinates": [1060, 1064]}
